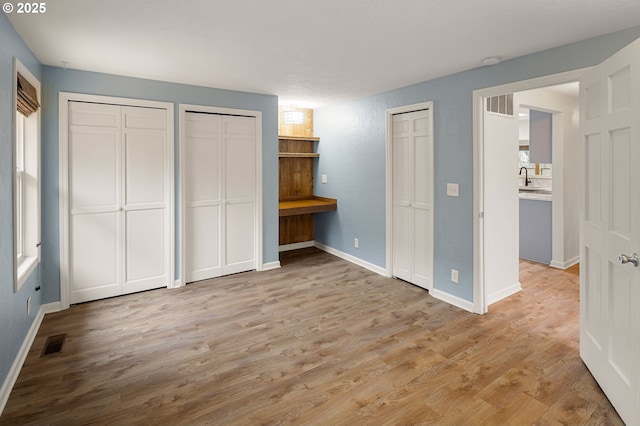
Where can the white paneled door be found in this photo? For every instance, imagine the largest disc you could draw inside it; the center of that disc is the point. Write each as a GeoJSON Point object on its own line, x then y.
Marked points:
{"type": "Point", "coordinates": [610, 229]}
{"type": "Point", "coordinates": [118, 181]}
{"type": "Point", "coordinates": [220, 194]}
{"type": "Point", "coordinates": [412, 197]}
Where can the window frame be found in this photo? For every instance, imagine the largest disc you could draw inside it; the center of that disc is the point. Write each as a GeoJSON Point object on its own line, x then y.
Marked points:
{"type": "Point", "coordinates": [26, 186]}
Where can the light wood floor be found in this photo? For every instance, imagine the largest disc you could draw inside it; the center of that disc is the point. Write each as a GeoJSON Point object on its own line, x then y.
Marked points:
{"type": "Point", "coordinates": [319, 341]}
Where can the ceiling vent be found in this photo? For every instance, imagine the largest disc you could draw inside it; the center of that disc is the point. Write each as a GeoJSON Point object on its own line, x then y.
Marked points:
{"type": "Point", "coordinates": [501, 104]}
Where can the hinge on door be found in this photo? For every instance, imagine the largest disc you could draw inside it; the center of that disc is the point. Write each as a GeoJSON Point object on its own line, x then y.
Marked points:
{"type": "Point", "coordinates": [481, 215]}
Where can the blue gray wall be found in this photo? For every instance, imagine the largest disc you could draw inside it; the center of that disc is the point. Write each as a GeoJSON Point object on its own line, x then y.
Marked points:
{"type": "Point", "coordinates": [14, 321]}
{"type": "Point", "coordinates": [56, 80]}
{"type": "Point", "coordinates": [352, 154]}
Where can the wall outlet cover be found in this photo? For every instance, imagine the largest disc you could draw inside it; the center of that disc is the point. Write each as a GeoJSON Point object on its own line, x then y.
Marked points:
{"type": "Point", "coordinates": [454, 276]}
{"type": "Point", "coordinates": [453, 189]}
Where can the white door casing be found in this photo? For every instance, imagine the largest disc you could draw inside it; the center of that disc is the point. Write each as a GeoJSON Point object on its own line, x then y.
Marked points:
{"type": "Point", "coordinates": [221, 153]}
{"type": "Point", "coordinates": [411, 161]}
{"type": "Point", "coordinates": [610, 226]}
{"type": "Point", "coordinates": [116, 196]}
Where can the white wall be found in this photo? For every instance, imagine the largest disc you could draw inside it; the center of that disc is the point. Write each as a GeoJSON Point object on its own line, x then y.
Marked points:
{"type": "Point", "coordinates": [566, 170]}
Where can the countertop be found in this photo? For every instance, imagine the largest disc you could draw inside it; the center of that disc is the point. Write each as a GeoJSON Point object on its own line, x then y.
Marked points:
{"type": "Point", "coordinates": [542, 195]}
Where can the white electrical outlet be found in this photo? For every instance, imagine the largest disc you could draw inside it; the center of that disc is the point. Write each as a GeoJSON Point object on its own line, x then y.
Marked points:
{"type": "Point", "coordinates": [28, 305]}
{"type": "Point", "coordinates": [356, 243]}
{"type": "Point", "coordinates": [454, 276]}
{"type": "Point", "coordinates": [453, 189]}
{"type": "Point", "coordinates": [324, 178]}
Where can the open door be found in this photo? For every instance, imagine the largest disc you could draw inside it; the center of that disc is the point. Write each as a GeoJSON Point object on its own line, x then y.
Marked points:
{"type": "Point", "coordinates": [610, 228]}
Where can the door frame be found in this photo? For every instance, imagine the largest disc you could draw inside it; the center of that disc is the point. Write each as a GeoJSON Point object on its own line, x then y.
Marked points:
{"type": "Point", "coordinates": [389, 177]}
{"type": "Point", "coordinates": [182, 110]}
{"type": "Point", "coordinates": [480, 305]}
{"type": "Point", "coordinates": [63, 162]}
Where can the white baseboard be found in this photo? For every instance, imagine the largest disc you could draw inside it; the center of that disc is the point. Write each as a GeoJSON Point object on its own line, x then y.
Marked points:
{"type": "Point", "coordinates": [504, 293]}
{"type": "Point", "coordinates": [565, 265]}
{"type": "Point", "coordinates": [452, 300]}
{"type": "Point", "coordinates": [296, 246]}
{"type": "Point", "coordinates": [352, 259]}
{"type": "Point", "coordinates": [177, 283]}
{"type": "Point", "coordinates": [271, 265]}
{"type": "Point", "coordinates": [7, 386]}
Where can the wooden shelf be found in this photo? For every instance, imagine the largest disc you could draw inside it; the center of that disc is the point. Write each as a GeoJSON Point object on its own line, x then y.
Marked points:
{"type": "Point", "coordinates": [308, 205]}
{"type": "Point", "coordinates": [299, 138]}
{"type": "Point", "coordinates": [298, 155]}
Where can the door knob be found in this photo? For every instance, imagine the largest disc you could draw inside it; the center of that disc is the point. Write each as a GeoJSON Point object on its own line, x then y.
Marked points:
{"type": "Point", "coordinates": [623, 258]}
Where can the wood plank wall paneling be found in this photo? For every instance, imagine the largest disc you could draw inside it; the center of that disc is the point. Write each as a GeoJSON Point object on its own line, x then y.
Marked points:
{"type": "Point", "coordinates": [296, 178]}
{"type": "Point", "coordinates": [305, 129]}
{"type": "Point", "coordinates": [296, 229]}
{"type": "Point", "coordinates": [320, 341]}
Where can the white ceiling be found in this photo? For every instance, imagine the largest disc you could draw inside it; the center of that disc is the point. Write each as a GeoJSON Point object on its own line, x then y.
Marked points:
{"type": "Point", "coordinates": [308, 52]}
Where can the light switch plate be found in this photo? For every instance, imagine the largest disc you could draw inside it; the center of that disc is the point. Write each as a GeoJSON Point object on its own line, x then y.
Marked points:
{"type": "Point", "coordinates": [453, 189]}
{"type": "Point", "coordinates": [324, 178]}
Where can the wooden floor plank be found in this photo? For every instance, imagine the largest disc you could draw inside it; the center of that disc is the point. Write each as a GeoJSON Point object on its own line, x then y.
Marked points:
{"type": "Point", "coordinates": [319, 341]}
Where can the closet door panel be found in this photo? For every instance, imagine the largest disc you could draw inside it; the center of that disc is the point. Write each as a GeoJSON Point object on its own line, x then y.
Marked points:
{"type": "Point", "coordinates": [145, 169]}
{"type": "Point", "coordinates": [240, 235]}
{"type": "Point", "coordinates": [93, 169]}
{"type": "Point", "coordinates": [145, 250]}
{"type": "Point", "coordinates": [203, 171]}
{"type": "Point", "coordinates": [203, 196]}
{"type": "Point", "coordinates": [203, 258]}
{"type": "Point", "coordinates": [240, 146]}
{"type": "Point", "coordinates": [95, 253]}
{"type": "Point", "coordinates": [94, 195]}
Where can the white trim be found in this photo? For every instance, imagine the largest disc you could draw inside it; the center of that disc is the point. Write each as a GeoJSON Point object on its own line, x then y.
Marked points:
{"type": "Point", "coordinates": [63, 138]}
{"type": "Point", "coordinates": [296, 246]}
{"type": "Point", "coordinates": [271, 265]}
{"type": "Point", "coordinates": [389, 177]}
{"type": "Point", "coordinates": [182, 110]}
{"type": "Point", "coordinates": [452, 300]}
{"type": "Point", "coordinates": [363, 263]}
{"type": "Point", "coordinates": [504, 293]}
{"type": "Point", "coordinates": [20, 358]}
{"type": "Point", "coordinates": [177, 283]}
{"type": "Point", "coordinates": [51, 308]}
{"type": "Point", "coordinates": [480, 304]}
{"type": "Point", "coordinates": [565, 265]}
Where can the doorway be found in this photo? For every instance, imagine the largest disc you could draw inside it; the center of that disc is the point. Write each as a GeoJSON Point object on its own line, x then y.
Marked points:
{"type": "Point", "coordinates": [485, 259]}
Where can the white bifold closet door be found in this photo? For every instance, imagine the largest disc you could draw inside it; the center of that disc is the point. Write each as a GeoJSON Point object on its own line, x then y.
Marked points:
{"type": "Point", "coordinates": [412, 186]}
{"type": "Point", "coordinates": [220, 195]}
{"type": "Point", "coordinates": [118, 207]}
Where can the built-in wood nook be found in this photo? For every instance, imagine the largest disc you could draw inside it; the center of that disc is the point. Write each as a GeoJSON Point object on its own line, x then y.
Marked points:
{"type": "Point", "coordinates": [297, 154]}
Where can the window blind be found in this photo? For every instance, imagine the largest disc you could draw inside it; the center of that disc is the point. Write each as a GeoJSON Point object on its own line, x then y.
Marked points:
{"type": "Point", "coordinates": [27, 99]}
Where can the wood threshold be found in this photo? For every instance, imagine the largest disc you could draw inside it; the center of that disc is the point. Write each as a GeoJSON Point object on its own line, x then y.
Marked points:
{"type": "Point", "coordinates": [308, 205]}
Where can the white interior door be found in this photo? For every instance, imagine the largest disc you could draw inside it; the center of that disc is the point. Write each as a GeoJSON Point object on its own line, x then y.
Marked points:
{"type": "Point", "coordinates": [412, 197]}
{"type": "Point", "coordinates": [610, 290]}
{"type": "Point", "coordinates": [220, 195]}
{"type": "Point", "coordinates": [118, 202]}
{"type": "Point", "coordinates": [501, 206]}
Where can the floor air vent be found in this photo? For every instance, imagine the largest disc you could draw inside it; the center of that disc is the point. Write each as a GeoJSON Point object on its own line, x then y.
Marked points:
{"type": "Point", "coordinates": [53, 344]}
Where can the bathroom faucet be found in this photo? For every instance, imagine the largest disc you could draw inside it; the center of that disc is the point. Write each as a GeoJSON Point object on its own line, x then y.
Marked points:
{"type": "Point", "coordinates": [526, 175]}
